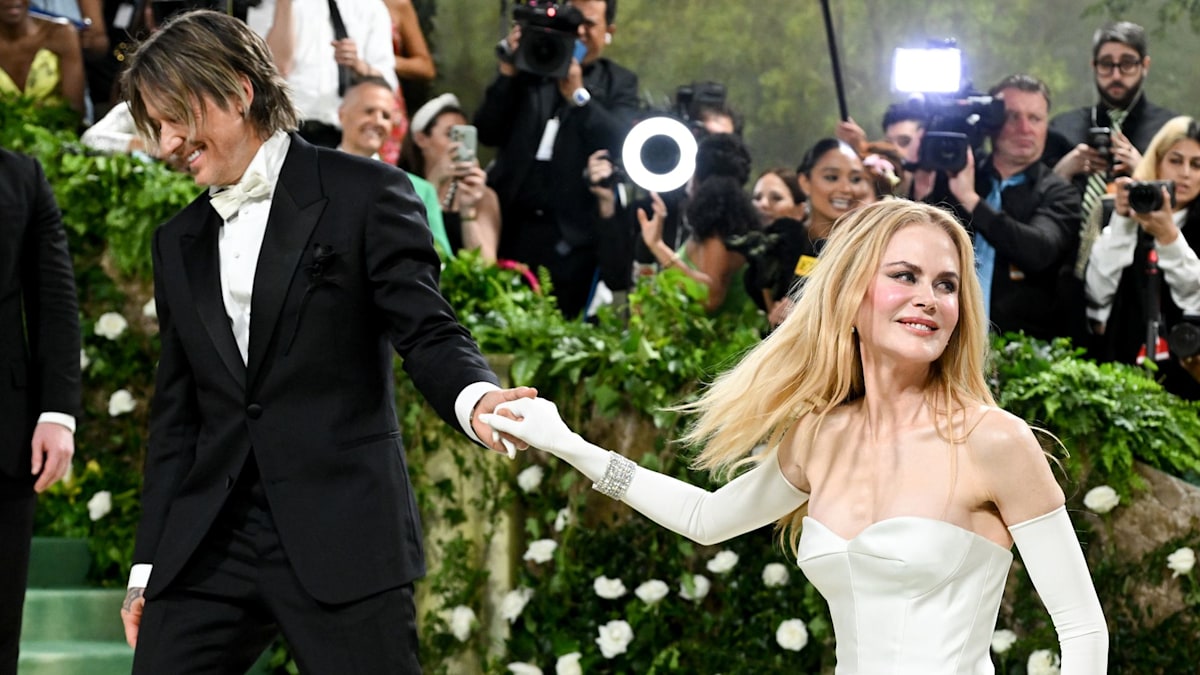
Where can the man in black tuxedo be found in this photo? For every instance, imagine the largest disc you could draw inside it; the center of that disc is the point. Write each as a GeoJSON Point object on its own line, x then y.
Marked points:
{"type": "Point", "coordinates": [545, 130]}
{"type": "Point", "coordinates": [39, 371]}
{"type": "Point", "coordinates": [276, 495]}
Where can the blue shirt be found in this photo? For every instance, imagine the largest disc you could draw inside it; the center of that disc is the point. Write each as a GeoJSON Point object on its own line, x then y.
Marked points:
{"type": "Point", "coordinates": [985, 253]}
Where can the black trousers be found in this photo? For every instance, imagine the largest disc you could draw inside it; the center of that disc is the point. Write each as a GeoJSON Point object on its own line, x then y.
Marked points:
{"type": "Point", "coordinates": [239, 591]}
{"type": "Point", "coordinates": [573, 269]}
{"type": "Point", "coordinates": [17, 501]}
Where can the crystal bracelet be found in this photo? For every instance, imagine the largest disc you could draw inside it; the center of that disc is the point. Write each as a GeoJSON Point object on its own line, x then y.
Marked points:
{"type": "Point", "coordinates": [617, 476]}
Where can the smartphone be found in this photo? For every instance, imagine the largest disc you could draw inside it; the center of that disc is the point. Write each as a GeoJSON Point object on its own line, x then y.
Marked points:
{"type": "Point", "coordinates": [580, 51]}
{"type": "Point", "coordinates": [465, 136]}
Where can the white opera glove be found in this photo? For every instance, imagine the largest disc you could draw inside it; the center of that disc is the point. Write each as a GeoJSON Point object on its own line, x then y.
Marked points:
{"type": "Point", "coordinates": [1051, 553]}
{"type": "Point", "coordinates": [755, 498]}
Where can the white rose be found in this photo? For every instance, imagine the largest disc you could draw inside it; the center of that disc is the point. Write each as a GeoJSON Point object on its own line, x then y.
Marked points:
{"type": "Point", "coordinates": [568, 664]}
{"type": "Point", "coordinates": [792, 635]}
{"type": "Point", "coordinates": [562, 519]}
{"type": "Point", "coordinates": [120, 403]}
{"type": "Point", "coordinates": [1101, 499]}
{"type": "Point", "coordinates": [150, 309]}
{"type": "Point", "coordinates": [775, 575]}
{"type": "Point", "coordinates": [110, 325]}
{"type": "Point", "coordinates": [541, 550]}
{"type": "Point", "coordinates": [514, 603]}
{"type": "Point", "coordinates": [650, 592]}
{"type": "Point", "coordinates": [1181, 561]}
{"type": "Point", "coordinates": [460, 619]}
{"type": "Point", "coordinates": [609, 589]}
{"type": "Point", "coordinates": [529, 479]}
{"type": "Point", "coordinates": [84, 361]}
{"type": "Point", "coordinates": [615, 637]}
{"type": "Point", "coordinates": [722, 562]}
{"type": "Point", "coordinates": [520, 668]}
{"type": "Point", "coordinates": [701, 584]}
{"type": "Point", "coordinates": [1003, 639]}
{"type": "Point", "coordinates": [99, 505]}
{"type": "Point", "coordinates": [1042, 662]}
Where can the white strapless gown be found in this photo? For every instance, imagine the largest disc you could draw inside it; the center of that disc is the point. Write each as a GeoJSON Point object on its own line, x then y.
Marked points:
{"type": "Point", "coordinates": [908, 595]}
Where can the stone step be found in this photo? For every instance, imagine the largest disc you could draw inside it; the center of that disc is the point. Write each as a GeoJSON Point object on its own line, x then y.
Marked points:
{"type": "Point", "coordinates": [75, 657]}
{"type": "Point", "coordinates": [62, 614]}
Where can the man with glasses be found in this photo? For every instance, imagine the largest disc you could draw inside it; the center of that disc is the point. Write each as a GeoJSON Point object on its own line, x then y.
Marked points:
{"type": "Point", "coordinates": [1120, 65]}
{"type": "Point", "coordinates": [1080, 151]}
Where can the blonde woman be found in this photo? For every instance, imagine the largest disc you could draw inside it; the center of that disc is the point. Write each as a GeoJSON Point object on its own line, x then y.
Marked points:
{"type": "Point", "coordinates": [899, 484]}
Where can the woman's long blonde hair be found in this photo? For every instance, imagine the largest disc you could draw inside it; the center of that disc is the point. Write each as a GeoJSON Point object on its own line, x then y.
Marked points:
{"type": "Point", "coordinates": [811, 363]}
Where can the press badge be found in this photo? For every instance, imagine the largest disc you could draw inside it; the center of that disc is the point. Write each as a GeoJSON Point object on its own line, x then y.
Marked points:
{"type": "Point", "coordinates": [805, 265]}
{"type": "Point", "coordinates": [545, 149]}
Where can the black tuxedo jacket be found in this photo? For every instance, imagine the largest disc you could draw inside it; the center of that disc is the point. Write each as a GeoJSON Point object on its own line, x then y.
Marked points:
{"type": "Point", "coordinates": [39, 311]}
{"type": "Point", "coordinates": [347, 272]}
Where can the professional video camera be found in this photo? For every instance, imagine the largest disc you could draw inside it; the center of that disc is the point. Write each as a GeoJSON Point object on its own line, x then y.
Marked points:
{"type": "Point", "coordinates": [549, 33]}
{"type": "Point", "coordinates": [692, 99]}
{"type": "Point", "coordinates": [956, 117]}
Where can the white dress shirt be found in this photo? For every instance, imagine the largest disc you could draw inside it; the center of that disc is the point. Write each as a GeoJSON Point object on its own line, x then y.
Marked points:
{"type": "Point", "coordinates": [239, 244]}
{"type": "Point", "coordinates": [314, 74]}
{"type": "Point", "coordinates": [1113, 252]}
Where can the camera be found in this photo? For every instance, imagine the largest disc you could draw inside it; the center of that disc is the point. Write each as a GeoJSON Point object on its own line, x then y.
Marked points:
{"type": "Point", "coordinates": [548, 34]}
{"type": "Point", "coordinates": [954, 125]}
{"type": "Point", "coordinates": [1100, 140]}
{"type": "Point", "coordinates": [956, 118]}
{"type": "Point", "coordinates": [1146, 195]}
{"type": "Point", "coordinates": [1184, 338]}
{"type": "Point", "coordinates": [691, 100]}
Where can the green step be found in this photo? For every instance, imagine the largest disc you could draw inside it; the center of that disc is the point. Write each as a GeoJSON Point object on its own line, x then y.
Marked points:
{"type": "Point", "coordinates": [87, 614]}
{"type": "Point", "coordinates": [75, 657]}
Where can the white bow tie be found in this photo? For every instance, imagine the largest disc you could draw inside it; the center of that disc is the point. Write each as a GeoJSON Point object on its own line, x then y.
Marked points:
{"type": "Point", "coordinates": [253, 186]}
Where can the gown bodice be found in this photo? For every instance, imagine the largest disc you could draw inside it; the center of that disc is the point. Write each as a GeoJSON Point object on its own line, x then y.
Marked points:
{"type": "Point", "coordinates": [908, 595]}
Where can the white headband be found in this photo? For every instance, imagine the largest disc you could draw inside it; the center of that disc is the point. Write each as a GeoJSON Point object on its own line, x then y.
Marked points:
{"type": "Point", "coordinates": [428, 112]}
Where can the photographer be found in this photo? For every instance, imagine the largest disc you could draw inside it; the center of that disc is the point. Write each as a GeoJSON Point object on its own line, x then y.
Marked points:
{"type": "Point", "coordinates": [1024, 218]}
{"type": "Point", "coordinates": [1148, 217]}
{"type": "Point", "coordinates": [545, 129]}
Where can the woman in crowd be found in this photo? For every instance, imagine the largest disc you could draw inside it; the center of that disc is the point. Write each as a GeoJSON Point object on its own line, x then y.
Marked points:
{"type": "Point", "coordinates": [833, 179]}
{"type": "Point", "coordinates": [414, 63]}
{"type": "Point", "coordinates": [777, 195]}
{"type": "Point", "coordinates": [470, 209]}
{"type": "Point", "coordinates": [1117, 275]}
{"type": "Point", "coordinates": [40, 59]}
{"type": "Point", "coordinates": [717, 211]}
{"type": "Point", "coordinates": [897, 482]}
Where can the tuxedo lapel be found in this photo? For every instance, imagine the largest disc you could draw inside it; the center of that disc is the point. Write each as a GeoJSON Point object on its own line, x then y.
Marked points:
{"type": "Point", "coordinates": [201, 261]}
{"type": "Point", "coordinates": [295, 209]}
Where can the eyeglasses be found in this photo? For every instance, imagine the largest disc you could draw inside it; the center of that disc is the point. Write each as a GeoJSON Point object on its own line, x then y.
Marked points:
{"type": "Point", "coordinates": [1128, 66]}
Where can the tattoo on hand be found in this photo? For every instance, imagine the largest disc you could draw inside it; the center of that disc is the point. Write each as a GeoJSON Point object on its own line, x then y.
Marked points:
{"type": "Point", "coordinates": [130, 596]}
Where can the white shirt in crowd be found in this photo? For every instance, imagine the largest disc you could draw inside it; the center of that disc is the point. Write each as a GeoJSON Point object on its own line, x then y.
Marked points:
{"type": "Point", "coordinates": [1113, 252]}
{"type": "Point", "coordinates": [314, 75]}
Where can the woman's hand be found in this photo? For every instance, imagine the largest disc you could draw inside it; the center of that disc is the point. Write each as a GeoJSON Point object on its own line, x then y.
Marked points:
{"type": "Point", "coordinates": [534, 421]}
{"type": "Point", "coordinates": [472, 183]}
{"type": "Point", "coordinates": [652, 225]}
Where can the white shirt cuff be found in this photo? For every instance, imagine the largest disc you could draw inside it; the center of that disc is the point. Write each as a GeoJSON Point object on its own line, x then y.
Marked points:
{"type": "Point", "coordinates": [139, 575]}
{"type": "Point", "coordinates": [464, 405]}
{"type": "Point", "coordinates": [64, 419]}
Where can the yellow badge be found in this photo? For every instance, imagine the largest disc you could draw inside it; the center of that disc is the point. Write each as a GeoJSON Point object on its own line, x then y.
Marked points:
{"type": "Point", "coordinates": [805, 265]}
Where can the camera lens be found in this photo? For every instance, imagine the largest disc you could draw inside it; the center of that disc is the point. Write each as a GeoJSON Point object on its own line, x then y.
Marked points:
{"type": "Point", "coordinates": [1184, 339]}
{"type": "Point", "coordinates": [1145, 197]}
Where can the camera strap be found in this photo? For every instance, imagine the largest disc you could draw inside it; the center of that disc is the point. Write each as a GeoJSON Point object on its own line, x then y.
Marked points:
{"type": "Point", "coordinates": [345, 76]}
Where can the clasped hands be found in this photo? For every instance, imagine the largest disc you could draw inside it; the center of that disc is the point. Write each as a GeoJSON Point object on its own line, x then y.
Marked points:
{"type": "Point", "coordinates": [531, 421]}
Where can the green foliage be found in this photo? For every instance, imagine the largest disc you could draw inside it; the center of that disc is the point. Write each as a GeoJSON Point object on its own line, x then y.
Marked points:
{"type": "Point", "coordinates": [1111, 413]}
